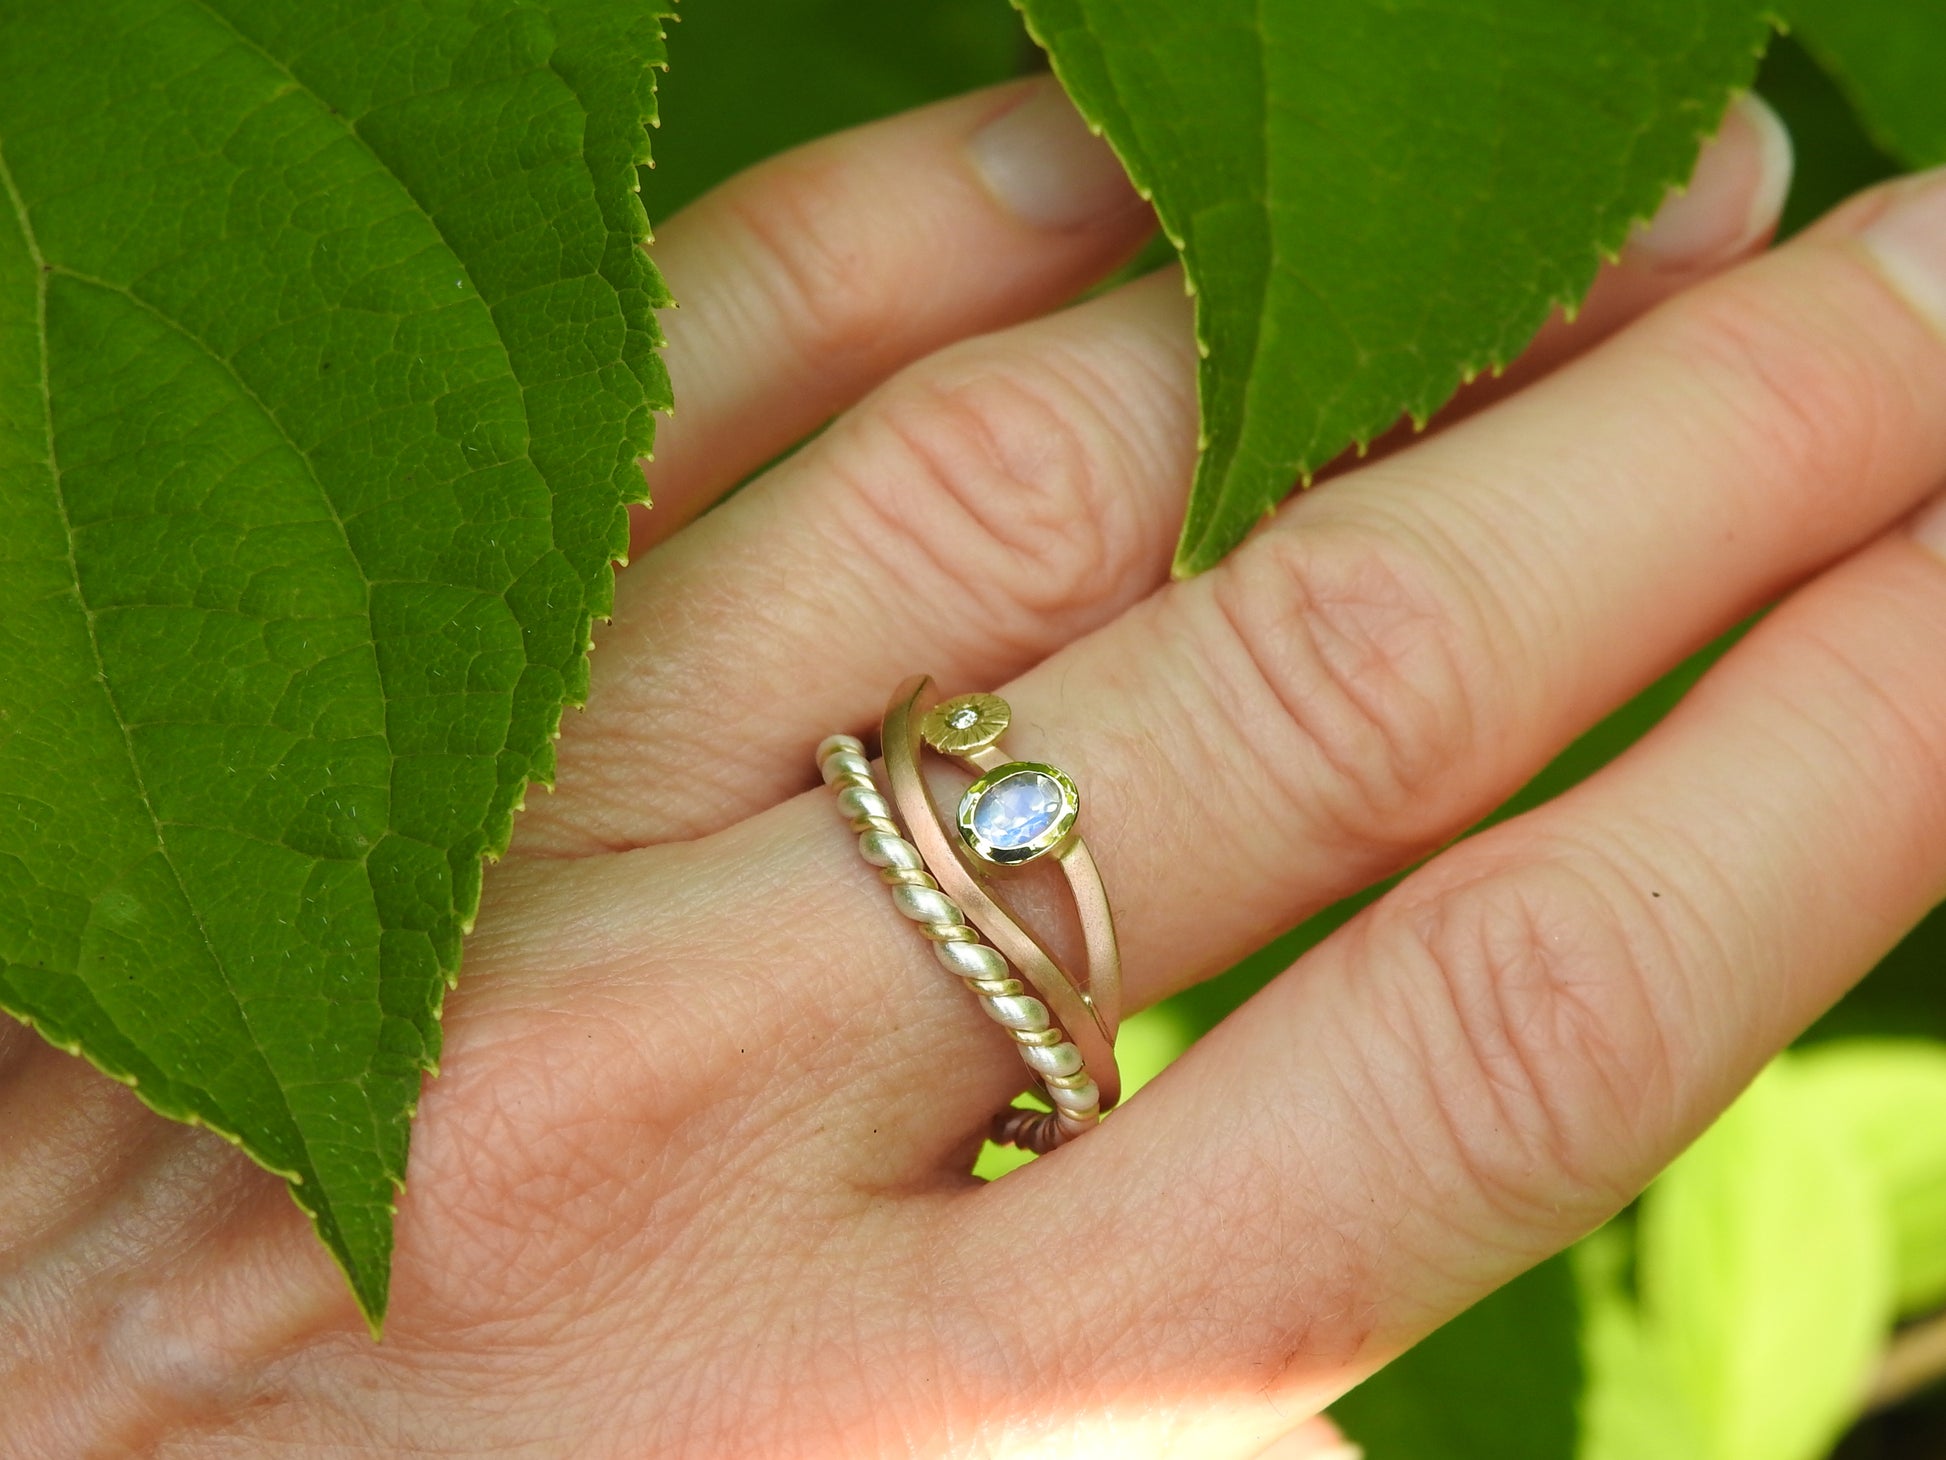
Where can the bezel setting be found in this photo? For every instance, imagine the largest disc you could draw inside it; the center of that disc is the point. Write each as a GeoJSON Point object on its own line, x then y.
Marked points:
{"type": "Point", "coordinates": [1040, 845]}
{"type": "Point", "coordinates": [965, 724]}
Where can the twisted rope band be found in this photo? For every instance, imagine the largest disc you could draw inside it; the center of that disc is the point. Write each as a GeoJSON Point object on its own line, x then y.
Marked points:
{"type": "Point", "coordinates": [1054, 1061]}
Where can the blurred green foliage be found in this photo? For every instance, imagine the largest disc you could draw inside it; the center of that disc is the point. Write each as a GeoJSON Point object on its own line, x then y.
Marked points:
{"type": "Point", "coordinates": [749, 78]}
{"type": "Point", "coordinates": [1835, 157]}
{"type": "Point", "coordinates": [1457, 1397]}
{"type": "Point", "coordinates": [1764, 1275]}
{"type": "Point", "coordinates": [1888, 1099]}
{"type": "Point", "coordinates": [1885, 55]}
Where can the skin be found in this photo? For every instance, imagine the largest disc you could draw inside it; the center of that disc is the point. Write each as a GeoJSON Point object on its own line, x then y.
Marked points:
{"type": "Point", "coordinates": [692, 1180]}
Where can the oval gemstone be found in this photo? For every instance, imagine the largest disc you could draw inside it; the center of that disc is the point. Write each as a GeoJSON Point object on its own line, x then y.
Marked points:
{"type": "Point", "coordinates": [1017, 809]}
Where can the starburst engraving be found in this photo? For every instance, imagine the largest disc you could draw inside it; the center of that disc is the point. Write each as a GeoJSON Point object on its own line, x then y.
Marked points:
{"type": "Point", "coordinates": [965, 723]}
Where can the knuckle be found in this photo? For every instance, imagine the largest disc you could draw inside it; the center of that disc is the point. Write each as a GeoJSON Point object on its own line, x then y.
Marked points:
{"type": "Point", "coordinates": [1795, 381]}
{"type": "Point", "coordinates": [814, 263]}
{"type": "Point", "coordinates": [1345, 654]}
{"type": "Point", "coordinates": [1523, 995]}
{"type": "Point", "coordinates": [1003, 471]}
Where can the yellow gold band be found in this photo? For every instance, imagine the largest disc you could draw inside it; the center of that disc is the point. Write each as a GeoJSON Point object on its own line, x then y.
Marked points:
{"type": "Point", "coordinates": [1054, 1062]}
{"type": "Point", "coordinates": [1088, 1009]}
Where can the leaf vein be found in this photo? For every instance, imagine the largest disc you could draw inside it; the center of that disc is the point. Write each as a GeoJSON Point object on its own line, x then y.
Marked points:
{"type": "Point", "coordinates": [42, 270]}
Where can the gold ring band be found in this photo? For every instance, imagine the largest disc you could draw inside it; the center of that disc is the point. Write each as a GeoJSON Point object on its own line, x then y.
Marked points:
{"type": "Point", "coordinates": [1088, 1009]}
{"type": "Point", "coordinates": [1054, 1061]}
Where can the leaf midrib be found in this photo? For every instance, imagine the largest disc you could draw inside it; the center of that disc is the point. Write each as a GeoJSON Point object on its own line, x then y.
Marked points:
{"type": "Point", "coordinates": [42, 271]}
{"type": "Point", "coordinates": [348, 126]}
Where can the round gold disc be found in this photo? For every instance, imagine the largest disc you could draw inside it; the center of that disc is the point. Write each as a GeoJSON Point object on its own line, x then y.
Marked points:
{"type": "Point", "coordinates": [965, 723]}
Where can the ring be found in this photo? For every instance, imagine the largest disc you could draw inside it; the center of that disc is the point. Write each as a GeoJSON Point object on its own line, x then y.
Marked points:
{"type": "Point", "coordinates": [1055, 1062]}
{"type": "Point", "coordinates": [1015, 812]}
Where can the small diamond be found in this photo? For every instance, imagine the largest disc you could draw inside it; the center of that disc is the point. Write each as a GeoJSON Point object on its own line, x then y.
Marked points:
{"type": "Point", "coordinates": [1013, 812]}
{"type": "Point", "coordinates": [965, 724]}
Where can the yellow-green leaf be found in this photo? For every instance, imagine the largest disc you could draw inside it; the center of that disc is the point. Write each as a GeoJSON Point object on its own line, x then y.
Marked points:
{"type": "Point", "coordinates": [1888, 1098]}
{"type": "Point", "coordinates": [1765, 1270]}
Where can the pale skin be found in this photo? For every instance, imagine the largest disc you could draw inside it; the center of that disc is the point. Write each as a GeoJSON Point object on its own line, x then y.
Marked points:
{"type": "Point", "coordinates": [693, 1178]}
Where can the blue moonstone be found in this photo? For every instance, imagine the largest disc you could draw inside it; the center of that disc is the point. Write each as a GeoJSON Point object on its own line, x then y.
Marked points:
{"type": "Point", "coordinates": [1015, 810]}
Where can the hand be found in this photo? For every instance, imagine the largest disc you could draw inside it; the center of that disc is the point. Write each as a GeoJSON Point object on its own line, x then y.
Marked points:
{"type": "Point", "coordinates": [693, 1180]}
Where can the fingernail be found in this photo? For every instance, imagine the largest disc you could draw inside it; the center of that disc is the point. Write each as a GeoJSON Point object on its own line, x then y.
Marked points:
{"type": "Point", "coordinates": [1928, 526]}
{"type": "Point", "coordinates": [1041, 162]}
{"type": "Point", "coordinates": [1908, 241]}
{"type": "Point", "coordinates": [1734, 195]}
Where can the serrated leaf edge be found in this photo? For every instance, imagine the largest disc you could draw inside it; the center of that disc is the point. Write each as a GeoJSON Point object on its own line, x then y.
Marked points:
{"type": "Point", "coordinates": [1196, 554]}
{"type": "Point", "coordinates": [498, 835]}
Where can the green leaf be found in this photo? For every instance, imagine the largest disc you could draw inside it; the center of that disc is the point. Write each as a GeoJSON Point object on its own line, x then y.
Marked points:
{"type": "Point", "coordinates": [330, 353]}
{"type": "Point", "coordinates": [1377, 201]}
{"type": "Point", "coordinates": [1500, 1380]}
{"type": "Point", "coordinates": [1886, 56]}
{"type": "Point", "coordinates": [1888, 1098]}
{"type": "Point", "coordinates": [1832, 155]}
{"type": "Point", "coordinates": [1765, 1270]}
{"type": "Point", "coordinates": [1633, 1407]}
{"type": "Point", "coordinates": [818, 66]}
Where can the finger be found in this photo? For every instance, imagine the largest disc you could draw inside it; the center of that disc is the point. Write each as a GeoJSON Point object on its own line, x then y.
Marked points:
{"type": "Point", "coordinates": [810, 278]}
{"type": "Point", "coordinates": [1498, 1055]}
{"type": "Point", "coordinates": [1401, 651]}
{"type": "Point", "coordinates": [993, 505]}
